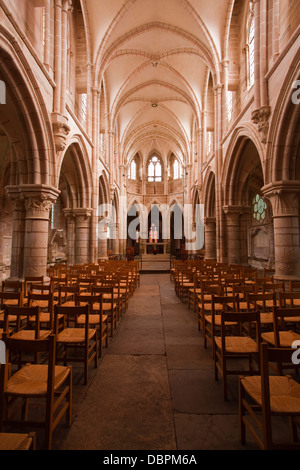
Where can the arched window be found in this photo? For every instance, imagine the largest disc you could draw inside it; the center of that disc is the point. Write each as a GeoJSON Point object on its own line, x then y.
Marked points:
{"type": "Point", "coordinates": [154, 169]}
{"type": "Point", "coordinates": [176, 170]}
{"type": "Point", "coordinates": [133, 170]}
{"type": "Point", "coordinates": [251, 34]}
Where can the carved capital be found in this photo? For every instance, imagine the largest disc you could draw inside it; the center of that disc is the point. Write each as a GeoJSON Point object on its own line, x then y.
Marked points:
{"type": "Point", "coordinates": [261, 117]}
{"type": "Point", "coordinates": [61, 131]}
{"type": "Point", "coordinates": [284, 197]}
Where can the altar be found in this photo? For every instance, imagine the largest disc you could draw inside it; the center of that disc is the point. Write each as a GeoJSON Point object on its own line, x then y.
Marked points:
{"type": "Point", "coordinates": [154, 248]}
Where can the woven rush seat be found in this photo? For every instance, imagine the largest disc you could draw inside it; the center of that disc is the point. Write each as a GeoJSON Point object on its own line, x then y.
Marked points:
{"type": "Point", "coordinates": [238, 344]}
{"type": "Point", "coordinates": [266, 318]}
{"type": "Point", "coordinates": [94, 319]}
{"type": "Point", "coordinates": [10, 302]}
{"type": "Point", "coordinates": [286, 338]}
{"type": "Point", "coordinates": [30, 334]}
{"type": "Point", "coordinates": [40, 303]}
{"type": "Point", "coordinates": [208, 318]}
{"type": "Point", "coordinates": [284, 393]}
{"type": "Point", "coordinates": [31, 380]}
{"type": "Point", "coordinates": [11, 318]}
{"type": "Point", "coordinates": [74, 335]}
{"type": "Point", "coordinates": [15, 441]}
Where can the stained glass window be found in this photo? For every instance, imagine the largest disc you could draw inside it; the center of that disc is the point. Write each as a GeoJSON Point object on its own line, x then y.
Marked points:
{"type": "Point", "coordinates": [259, 208]}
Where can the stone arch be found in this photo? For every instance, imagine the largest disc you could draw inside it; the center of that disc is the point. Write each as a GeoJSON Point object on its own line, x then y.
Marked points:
{"type": "Point", "coordinates": [209, 197]}
{"type": "Point", "coordinates": [76, 172]}
{"type": "Point", "coordinates": [247, 240]}
{"type": "Point", "coordinates": [24, 118]}
{"type": "Point", "coordinates": [209, 194]}
{"type": "Point", "coordinates": [71, 214]}
{"type": "Point", "coordinates": [283, 152]}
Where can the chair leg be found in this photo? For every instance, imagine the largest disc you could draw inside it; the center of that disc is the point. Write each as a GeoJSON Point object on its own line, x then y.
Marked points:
{"type": "Point", "coordinates": [69, 398]}
{"type": "Point", "coordinates": [242, 428]}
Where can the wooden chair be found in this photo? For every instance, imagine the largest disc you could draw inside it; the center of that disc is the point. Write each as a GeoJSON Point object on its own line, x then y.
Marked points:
{"type": "Point", "coordinates": [212, 322]}
{"type": "Point", "coordinates": [30, 281]}
{"type": "Point", "coordinates": [282, 336]}
{"type": "Point", "coordinates": [97, 318]}
{"type": "Point", "coordinates": [108, 303]}
{"type": "Point", "coordinates": [238, 346]}
{"type": "Point", "coordinates": [27, 327]}
{"type": "Point", "coordinates": [289, 299]}
{"type": "Point", "coordinates": [205, 301]}
{"type": "Point", "coordinates": [265, 303]}
{"type": "Point", "coordinates": [67, 295]}
{"type": "Point", "coordinates": [12, 286]}
{"type": "Point", "coordinates": [267, 395]}
{"type": "Point", "coordinates": [17, 441]}
{"type": "Point", "coordinates": [46, 304]}
{"type": "Point", "coordinates": [10, 299]}
{"type": "Point", "coordinates": [35, 381]}
{"type": "Point", "coordinates": [242, 290]}
{"type": "Point", "coordinates": [72, 337]}
{"type": "Point", "coordinates": [27, 324]}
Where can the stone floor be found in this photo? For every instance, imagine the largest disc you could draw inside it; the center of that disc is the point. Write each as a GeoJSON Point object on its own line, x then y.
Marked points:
{"type": "Point", "coordinates": [155, 387]}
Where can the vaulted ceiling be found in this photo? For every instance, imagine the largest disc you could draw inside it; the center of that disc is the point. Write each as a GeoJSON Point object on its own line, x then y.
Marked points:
{"type": "Point", "coordinates": [154, 59]}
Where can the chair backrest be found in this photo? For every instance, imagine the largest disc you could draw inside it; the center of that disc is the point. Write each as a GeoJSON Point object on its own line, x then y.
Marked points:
{"type": "Point", "coordinates": [212, 289]}
{"type": "Point", "coordinates": [242, 318]}
{"type": "Point", "coordinates": [253, 299]}
{"type": "Point", "coordinates": [90, 299]}
{"type": "Point", "coordinates": [40, 288]}
{"type": "Point", "coordinates": [12, 286]}
{"type": "Point", "coordinates": [283, 357]}
{"type": "Point", "coordinates": [39, 296]}
{"type": "Point", "coordinates": [71, 314]}
{"type": "Point", "coordinates": [34, 346]}
{"type": "Point", "coordinates": [243, 290]}
{"type": "Point", "coordinates": [294, 286]}
{"type": "Point", "coordinates": [287, 299]}
{"type": "Point", "coordinates": [29, 280]}
{"type": "Point", "coordinates": [20, 312]}
{"type": "Point", "coordinates": [229, 302]}
{"type": "Point", "coordinates": [279, 320]}
{"type": "Point", "coordinates": [64, 290]}
{"type": "Point", "coordinates": [273, 287]}
{"type": "Point", "coordinates": [5, 297]}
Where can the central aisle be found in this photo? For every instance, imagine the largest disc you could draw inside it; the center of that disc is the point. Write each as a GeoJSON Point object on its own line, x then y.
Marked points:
{"type": "Point", "coordinates": [155, 387]}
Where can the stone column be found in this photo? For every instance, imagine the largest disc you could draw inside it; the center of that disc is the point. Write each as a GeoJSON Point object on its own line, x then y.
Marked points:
{"type": "Point", "coordinates": [82, 235]}
{"type": "Point", "coordinates": [38, 200]}
{"type": "Point", "coordinates": [285, 197]}
{"type": "Point", "coordinates": [102, 239]}
{"type": "Point", "coordinates": [233, 214]}
{"type": "Point", "coordinates": [114, 230]}
{"type": "Point", "coordinates": [210, 238]}
{"type": "Point", "coordinates": [18, 232]}
{"type": "Point", "coordinates": [70, 235]}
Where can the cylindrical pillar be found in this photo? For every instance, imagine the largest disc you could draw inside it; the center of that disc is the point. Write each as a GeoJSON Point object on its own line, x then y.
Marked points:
{"type": "Point", "coordinates": [18, 232]}
{"type": "Point", "coordinates": [38, 200]}
{"type": "Point", "coordinates": [285, 200]}
{"type": "Point", "coordinates": [82, 235]}
{"type": "Point", "coordinates": [210, 238]}
{"type": "Point", "coordinates": [233, 214]}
